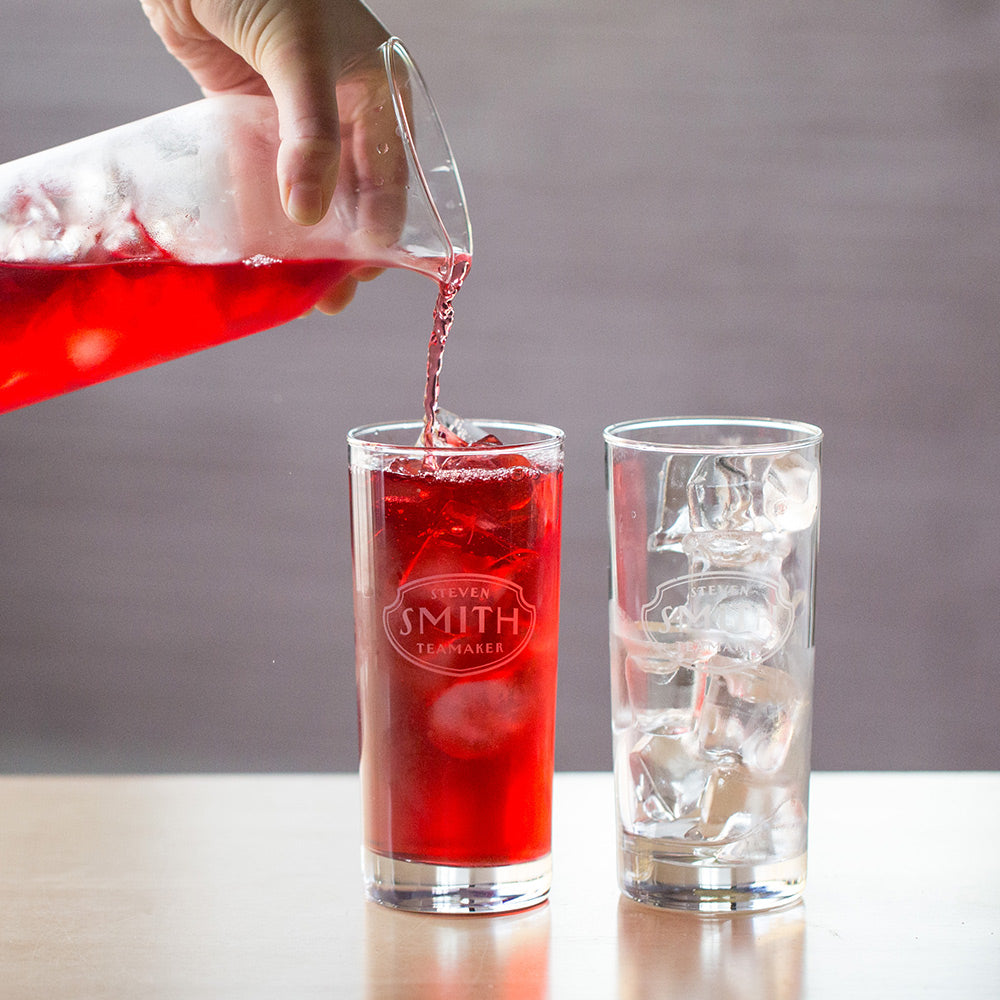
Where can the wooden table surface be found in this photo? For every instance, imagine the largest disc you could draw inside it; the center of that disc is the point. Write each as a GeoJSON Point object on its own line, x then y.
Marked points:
{"type": "Point", "coordinates": [247, 886]}
{"type": "Point", "coordinates": [760, 208]}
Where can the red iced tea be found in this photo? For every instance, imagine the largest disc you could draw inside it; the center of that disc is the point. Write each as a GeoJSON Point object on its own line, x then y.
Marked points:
{"type": "Point", "coordinates": [67, 326]}
{"type": "Point", "coordinates": [457, 589]}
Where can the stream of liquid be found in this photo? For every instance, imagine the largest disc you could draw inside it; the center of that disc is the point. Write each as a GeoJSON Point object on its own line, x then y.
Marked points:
{"type": "Point", "coordinates": [444, 315]}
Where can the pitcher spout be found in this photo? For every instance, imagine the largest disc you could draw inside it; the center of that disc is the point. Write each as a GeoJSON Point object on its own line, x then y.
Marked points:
{"type": "Point", "coordinates": [432, 171]}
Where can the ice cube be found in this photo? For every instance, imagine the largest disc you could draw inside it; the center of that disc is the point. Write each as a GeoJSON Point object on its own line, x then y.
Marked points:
{"type": "Point", "coordinates": [723, 494]}
{"type": "Point", "coordinates": [465, 539]}
{"type": "Point", "coordinates": [452, 431]}
{"type": "Point", "coordinates": [752, 714]}
{"type": "Point", "coordinates": [765, 823]}
{"type": "Point", "coordinates": [790, 492]}
{"type": "Point", "coordinates": [655, 688]}
{"type": "Point", "coordinates": [752, 820]}
{"type": "Point", "coordinates": [33, 226]}
{"type": "Point", "coordinates": [752, 847]}
{"type": "Point", "coordinates": [464, 522]}
{"type": "Point", "coordinates": [734, 801]}
{"type": "Point", "coordinates": [664, 696]}
{"type": "Point", "coordinates": [123, 237]}
{"type": "Point", "coordinates": [477, 718]}
{"type": "Point", "coordinates": [672, 519]}
{"type": "Point", "coordinates": [740, 616]}
{"type": "Point", "coordinates": [88, 217]}
{"type": "Point", "coordinates": [667, 779]}
{"type": "Point", "coordinates": [520, 566]}
{"type": "Point", "coordinates": [708, 550]}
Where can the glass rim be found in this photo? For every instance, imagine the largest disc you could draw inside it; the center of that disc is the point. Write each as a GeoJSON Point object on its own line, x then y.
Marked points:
{"type": "Point", "coordinates": [548, 435]}
{"type": "Point", "coordinates": [797, 434]}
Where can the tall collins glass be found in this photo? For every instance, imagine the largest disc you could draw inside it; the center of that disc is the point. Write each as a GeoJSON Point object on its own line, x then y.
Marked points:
{"type": "Point", "coordinates": [456, 589]}
{"type": "Point", "coordinates": [714, 525]}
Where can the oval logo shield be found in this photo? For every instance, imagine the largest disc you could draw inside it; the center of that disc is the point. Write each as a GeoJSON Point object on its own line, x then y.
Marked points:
{"type": "Point", "coordinates": [729, 614]}
{"type": "Point", "coordinates": [459, 624]}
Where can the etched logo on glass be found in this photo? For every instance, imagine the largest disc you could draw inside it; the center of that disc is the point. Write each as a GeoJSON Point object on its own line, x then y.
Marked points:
{"type": "Point", "coordinates": [720, 615]}
{"type": "Point", "coordinates": [459, 624]}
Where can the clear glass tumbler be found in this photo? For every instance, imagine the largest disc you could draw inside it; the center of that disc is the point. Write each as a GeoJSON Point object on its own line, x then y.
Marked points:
{"type": "Point", "coordinates": [456, 588]}
{"type": "Point", "coordinates": [714, 526]}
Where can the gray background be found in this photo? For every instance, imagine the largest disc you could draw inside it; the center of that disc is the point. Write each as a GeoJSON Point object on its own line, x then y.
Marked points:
{"type": "Point", "coordinates": [787, 209]}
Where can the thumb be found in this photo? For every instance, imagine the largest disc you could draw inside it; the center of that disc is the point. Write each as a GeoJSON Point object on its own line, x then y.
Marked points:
{"type": "Point", "coordinates": [308, 153]}
{"type": "Point", "coordinates": [300, 58]}
{"type": "Point", "coordinates": [303, 85]}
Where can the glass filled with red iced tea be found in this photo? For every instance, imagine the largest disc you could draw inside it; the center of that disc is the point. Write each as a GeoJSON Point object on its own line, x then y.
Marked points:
{"type": "Point", "coordinates": [456, 591]}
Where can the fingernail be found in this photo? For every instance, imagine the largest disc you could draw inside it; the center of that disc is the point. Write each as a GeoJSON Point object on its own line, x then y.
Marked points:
{"type": "Point", "coordinates": [305, 204]}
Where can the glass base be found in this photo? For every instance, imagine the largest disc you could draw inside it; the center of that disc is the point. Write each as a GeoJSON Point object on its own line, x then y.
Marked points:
{"type": "Point", "coordinates": [427, 888]}
{"type": "Point", "coordinates": [650, 872]}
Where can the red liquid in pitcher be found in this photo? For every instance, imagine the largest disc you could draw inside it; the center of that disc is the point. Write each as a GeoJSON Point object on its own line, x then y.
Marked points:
{"type": "Point", "coordinates": [67, 326]}
{"type": "Point", "coordinates": [457, 658]}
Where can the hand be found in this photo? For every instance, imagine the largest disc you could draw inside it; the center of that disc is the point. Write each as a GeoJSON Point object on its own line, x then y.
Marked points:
{"type": "Point", "coordinates": [294, 50]}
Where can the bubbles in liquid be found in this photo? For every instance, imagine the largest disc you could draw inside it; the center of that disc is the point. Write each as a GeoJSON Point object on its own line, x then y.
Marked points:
{"type": "Point", "coordinates": [383, 147]}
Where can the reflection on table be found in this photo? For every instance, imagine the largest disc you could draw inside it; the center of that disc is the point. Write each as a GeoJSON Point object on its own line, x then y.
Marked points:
{"type": "Point", "coordinates": [748, 956]}
{"type": "Point", "coordinates": [457, 957]}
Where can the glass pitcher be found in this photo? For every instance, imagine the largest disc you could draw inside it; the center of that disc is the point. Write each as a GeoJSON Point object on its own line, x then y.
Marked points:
{"type": "Point", "coordinates": [167, 235]}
